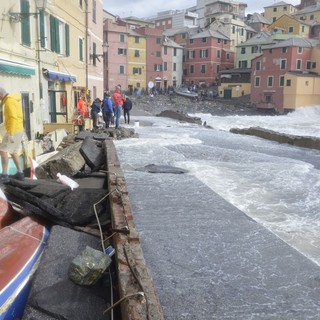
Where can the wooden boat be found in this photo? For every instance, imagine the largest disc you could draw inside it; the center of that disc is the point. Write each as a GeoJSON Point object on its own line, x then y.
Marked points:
{"type": "Point", "coordinates": [7, 214]}
{"type": "Point", "coordinates": [22, 244]}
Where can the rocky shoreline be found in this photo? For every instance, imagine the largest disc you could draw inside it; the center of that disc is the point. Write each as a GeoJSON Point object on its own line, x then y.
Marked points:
{"type": "Point", "coordinates": [153, 106]}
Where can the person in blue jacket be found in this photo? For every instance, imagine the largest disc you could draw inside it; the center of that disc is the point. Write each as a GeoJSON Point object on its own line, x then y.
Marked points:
{"type": "Point", "coordinates": [107, 109]}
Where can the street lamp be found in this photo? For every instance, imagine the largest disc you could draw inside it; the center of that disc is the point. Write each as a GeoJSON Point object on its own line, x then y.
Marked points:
{"type": "Point", "coordinates": [18, 16]}
{"type": "Point", "coordinates": [105, 47]}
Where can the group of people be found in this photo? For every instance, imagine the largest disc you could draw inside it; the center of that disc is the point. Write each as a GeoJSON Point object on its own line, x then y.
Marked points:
{"type": "Point", "coordinates": [110, 107]}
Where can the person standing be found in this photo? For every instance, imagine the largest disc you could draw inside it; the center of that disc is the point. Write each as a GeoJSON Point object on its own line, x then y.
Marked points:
{"type": "Point", "coordinates": [12, 140]}
{"type": "Point", "coordinates": [95, 109]}
{"type": "Point", "coordinates": [107, 109]}
{"type": "Point", "coordinates": [82, 107]}
{"type": "Point", "coordinates": [118, 101]}
{"type": "Point", "coordinates": [127, 106]}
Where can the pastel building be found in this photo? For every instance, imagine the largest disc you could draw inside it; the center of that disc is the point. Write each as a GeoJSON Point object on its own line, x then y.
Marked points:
{"type": "Point", "coordinates": [278, 72]}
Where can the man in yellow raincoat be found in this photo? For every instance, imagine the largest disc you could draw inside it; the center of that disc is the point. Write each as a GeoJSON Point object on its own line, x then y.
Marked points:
{"type": "Point", "coordinates": [12, 140]}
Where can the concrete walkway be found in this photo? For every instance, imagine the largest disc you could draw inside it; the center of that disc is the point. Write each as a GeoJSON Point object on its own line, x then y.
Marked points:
{"type": "Point", "coordinates": [209, 260]}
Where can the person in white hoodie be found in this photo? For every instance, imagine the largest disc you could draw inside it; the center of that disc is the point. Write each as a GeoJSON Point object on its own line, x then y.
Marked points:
{"type": "Point", "coordinates": [12, 140]}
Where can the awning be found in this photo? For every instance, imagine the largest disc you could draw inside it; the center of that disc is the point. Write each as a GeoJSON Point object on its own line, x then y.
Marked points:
{"type": "Point", "coordinates": [13, 67]}
{"type": "Point", "coordinates": [55, 75]}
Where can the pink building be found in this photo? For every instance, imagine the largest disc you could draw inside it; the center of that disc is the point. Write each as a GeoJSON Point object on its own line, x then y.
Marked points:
{"type": "Point", "coordinates": [154, 59]}
{"type": "Point", "coordinates": [116, 35]}
{"type": "Point", "coordinates": [268, 75]}
{"type": "Point", "coordinates": [207, 53]}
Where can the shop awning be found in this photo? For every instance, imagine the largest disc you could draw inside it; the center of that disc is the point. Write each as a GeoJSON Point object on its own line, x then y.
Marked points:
{"type": "Point", "coordinates": [55, 75]}
{"type": "Point", "coordinates": [14, 67]}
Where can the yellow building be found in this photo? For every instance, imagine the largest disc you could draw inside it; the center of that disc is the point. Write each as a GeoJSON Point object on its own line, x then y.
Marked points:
{"type": "Point", "coordinates": [290, 25]}
{"type": "Point", "coordinates": [277, 10]}
{"type": "Point", "coordinates": [136, 62]}
{"type": "Point", "coordinates": [302, 89]}
{"type": "Point", "coordinates": [310, 14]}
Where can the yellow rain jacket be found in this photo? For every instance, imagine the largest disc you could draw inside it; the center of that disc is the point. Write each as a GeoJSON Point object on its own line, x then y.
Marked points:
{"type": "Point", "coordinates": [13, 115]}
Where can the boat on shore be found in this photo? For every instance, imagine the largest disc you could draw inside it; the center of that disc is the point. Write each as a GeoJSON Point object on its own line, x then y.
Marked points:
{"type": "Point", "coordinates": [186, 93]}
{"type": "Point", "coordinates": [22, 244]}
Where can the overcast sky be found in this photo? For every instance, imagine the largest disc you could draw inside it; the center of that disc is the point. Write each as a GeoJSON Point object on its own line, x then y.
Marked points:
{"type": "Point", "coordinates": [149, 8]}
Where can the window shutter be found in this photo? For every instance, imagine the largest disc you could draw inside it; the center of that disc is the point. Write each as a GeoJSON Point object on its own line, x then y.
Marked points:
{"type": "Point", "coordinates": [67, 30]}
{"type": "Point", "coordinates": [25, 23]}
{"type": "Point", "coordinates": [80, 50]}
{"type": "Point", "coordinates": [42, 31]}
{"type": "Point", "coordinates": [52, 33]}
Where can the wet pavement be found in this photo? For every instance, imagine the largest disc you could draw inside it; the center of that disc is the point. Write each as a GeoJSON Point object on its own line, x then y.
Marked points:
{"type": "Point", "coordinates": [208, 259]}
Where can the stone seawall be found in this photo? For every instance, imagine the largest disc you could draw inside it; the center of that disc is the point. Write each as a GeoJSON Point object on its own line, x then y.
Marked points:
{"type": "Point", "coordinates": [133, 274]}
{"type": "Point", "coordinates": [298, 141]}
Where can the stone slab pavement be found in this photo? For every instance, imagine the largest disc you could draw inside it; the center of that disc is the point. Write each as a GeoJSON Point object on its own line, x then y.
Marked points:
{"type": "Point", "coordinates": [209, 260]}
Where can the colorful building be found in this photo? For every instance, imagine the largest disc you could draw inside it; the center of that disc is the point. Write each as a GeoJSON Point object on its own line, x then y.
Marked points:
{"type": "Point", "coordinates": [273, 71]}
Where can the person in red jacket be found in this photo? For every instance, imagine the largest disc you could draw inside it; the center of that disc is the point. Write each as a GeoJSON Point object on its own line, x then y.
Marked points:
{"type": "Point", "coordinates": [118, 101]}
{"type": "Point", "coordinates": [12, 140]}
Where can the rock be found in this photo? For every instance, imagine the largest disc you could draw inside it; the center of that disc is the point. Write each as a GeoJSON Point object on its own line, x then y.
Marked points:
{"type": "Point", "coordinates": [87, 268]}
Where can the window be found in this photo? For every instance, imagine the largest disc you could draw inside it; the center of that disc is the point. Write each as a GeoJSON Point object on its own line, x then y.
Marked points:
{"type": "Point", "coordinates": [81, 49]}
{"type": "Point", "coordinates": [283, 64]}
{"type": "Point", "coordinates": [204, 40]}
{"type": "Point", "coordinates": [219, 40]}
{"type": "Point", "coordinates": [191, 41]}
{"type": "Point", "coordinates": [308, 66]}
{"type": "Point", "coordinates": [203, 68]}
{"type": "Point", "coordinates": [165, 66]}
{"type": "Point", "coordinates": [274, 19]}
{"type": "Point", "coordinates": [191, 54]}
{"type": "Point", "coordinates": [270, 81]}
{"type": "Point", "coordinates": [284, 50]}
{"type": "Point", "coordinates": [299, 63]}
{"type": "Point", "coordinates": [290, 30]}
{"type": "Point", "coordinates": [122, 51]}
{"type": "Point", "coordinates": [254, 49]}
{"type": "Point", "coordinates": [218, 68]}
{"type": "Point", "coordinates": [284, 8]}
{"type": "Point", "coordinates": [158, 67]}
{"type": "Point", "coordinates": [174, 66]}
{"type": "Point", "coordinates": [243, 50]}
{"type": "Point", "coordinates": [281, 81]}
{"type": "Point", "coordinates": [274, 9]}
{"type": "Point", "coordinates": [192, 69]}
{"type": "Point", "coordinates": [302, 29]}
{"type": "Point", "coordinates": [300, 50]}
{"type": "Point", "coordinates": [59, 36]}
{"type": "Point", "coordinates": [136, 53]}
{"type": "Point", "coordinates": [136, 39]}
{"type": "Point", "coordinates": [183, 36]}
{"type": "Point", "coordinates": [174, 52]}
{"type": "Point", "coordinates": [136, 70]}
{"type": "Point", "coordinates": [165, 50]}
{"type": "Point", "coordinates": [258, 65]}
{"type": "Point", "coordinates": [121, 69]}
{"type": "Point", "coordinates": [257, 82]}
{"type": "Point", "coordinates": [233, 29]}
{"type": "Point", "coordinates": [243, 64]}
{"type": "Point", "coordinates": [288, 82]}
{"type": "Point", "coordinates": [228, 56]}
{"type": "Point", "coordinates": [158, 40]}
{"type": "Point", "coordinates": [218, 54]}
{"type": "Point", "coordinates": [94, 11]}
{"type": "Point", "coordinates": [121, 37]}
{"type": "Point", "coordinates": [268, 98]}
{"type": "Point", "coordinates": [311, 17]}
{"type": "Point", "coordinates": [204, 53]}
{"type": "Point", "coordinates": [158, 54]}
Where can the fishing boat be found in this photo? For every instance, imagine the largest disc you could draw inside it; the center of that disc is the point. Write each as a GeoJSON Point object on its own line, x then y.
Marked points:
{"type": "Point", "coordinates": [22, 244]}
{"type": "Point", "coordinates": [186, 93]}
